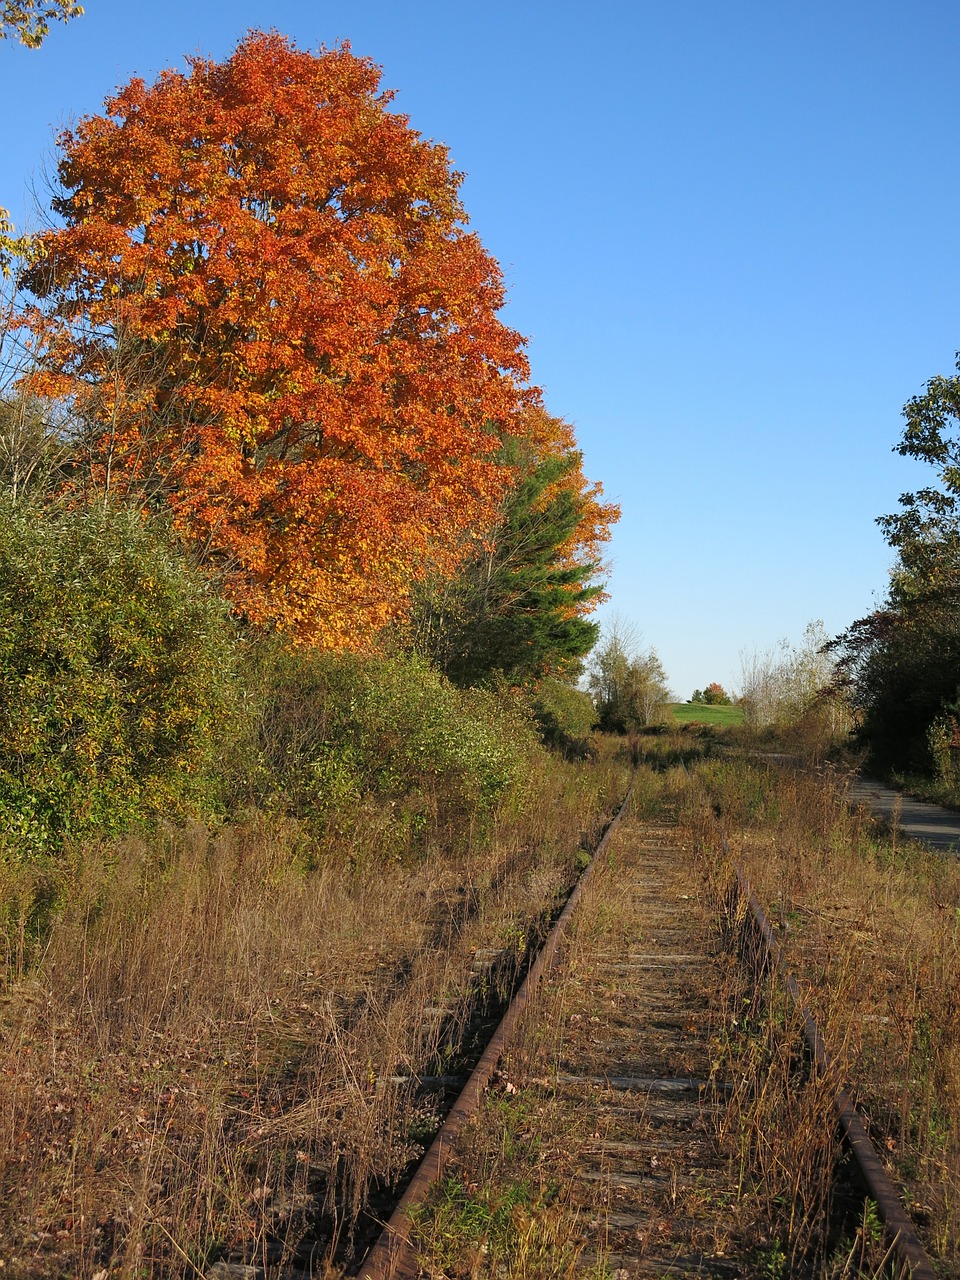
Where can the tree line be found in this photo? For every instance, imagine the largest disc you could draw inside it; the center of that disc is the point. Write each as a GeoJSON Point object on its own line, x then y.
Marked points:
{"type": "Point", "coordinates": [900, 664]}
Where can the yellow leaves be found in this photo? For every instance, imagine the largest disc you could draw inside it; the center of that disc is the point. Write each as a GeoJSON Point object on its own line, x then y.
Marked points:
{"type": "Point", "coordinates": [27, 248]}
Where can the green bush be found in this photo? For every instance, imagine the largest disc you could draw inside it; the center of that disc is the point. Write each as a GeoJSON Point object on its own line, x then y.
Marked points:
{"type": "Point", "coordinates": [115, 676]}
{"type": "Point", "coordinates": [565, 716]}
{"type": "Point", "coordinates": [336, 729]}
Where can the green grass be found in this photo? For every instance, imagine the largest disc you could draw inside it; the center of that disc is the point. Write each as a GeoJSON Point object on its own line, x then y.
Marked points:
{"type": "Point", "coordinates": [701, 713]}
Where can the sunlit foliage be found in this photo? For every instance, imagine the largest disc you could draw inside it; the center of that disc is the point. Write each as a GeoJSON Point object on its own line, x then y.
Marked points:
{"type": "Point", "coordinates": [266, 308]}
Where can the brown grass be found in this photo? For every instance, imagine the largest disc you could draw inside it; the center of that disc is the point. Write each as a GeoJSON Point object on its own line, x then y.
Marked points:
{"type": "Point", "coordinates": [203, 1054]}
{"type": "Point", "coordinates": [871, 928]}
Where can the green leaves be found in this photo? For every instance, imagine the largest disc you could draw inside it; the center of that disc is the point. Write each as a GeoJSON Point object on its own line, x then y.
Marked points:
{"type": "Point", "coordinates": [115, 685]}
{"type": "Point", "coordinates": [516, 609]}
{"type": "Point", "coordinates": [629, 685]}
{"type": "Point", "coordinates": [902, 660]}
{"type": "Point", "coordinates": [29, 21]}
{"type": "Point", "coordinates": [336, 730]}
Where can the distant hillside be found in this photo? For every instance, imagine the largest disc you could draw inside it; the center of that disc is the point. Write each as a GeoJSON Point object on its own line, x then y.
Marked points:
{"type": "Point", "coordinates": [703, 713]}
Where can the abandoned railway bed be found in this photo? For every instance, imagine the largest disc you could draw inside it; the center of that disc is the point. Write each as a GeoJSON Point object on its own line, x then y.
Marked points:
{"type": "Point", "coordinates": [606, 1063]}
{"type": "Point", "coordinates": [650, 1189]}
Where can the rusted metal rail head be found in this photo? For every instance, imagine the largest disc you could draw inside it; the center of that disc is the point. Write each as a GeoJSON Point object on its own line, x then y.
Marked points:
{"type": "Point", "coordinates": [394, 1257]}
{"type": "Point", "coordinates": [901, 1231]}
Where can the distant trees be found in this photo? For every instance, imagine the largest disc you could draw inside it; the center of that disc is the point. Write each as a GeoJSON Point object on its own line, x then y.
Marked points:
{"type": "Point", "coordinates": [628, 684]}
{"type": "Point", "coordinates": [780, 686]}
{"type": "Point", "coordinates": [714, 695]}
{"type": "Point", "coordinates": [901, 667]}
{"type": "Point", "coordinates": [793, 688]}
{"type": "Point", "coordinates": [32, 449]}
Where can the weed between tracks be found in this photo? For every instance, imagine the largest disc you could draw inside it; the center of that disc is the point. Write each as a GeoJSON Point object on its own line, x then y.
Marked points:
{"type": "Point", "coordinates": [206, 1054]}
{"type": "Point", "coordinates": [871, 928]}
{"type": "Point", "coordinates": [502, 1212]}
{"type": "Point", "coordinates": [530, 1196]}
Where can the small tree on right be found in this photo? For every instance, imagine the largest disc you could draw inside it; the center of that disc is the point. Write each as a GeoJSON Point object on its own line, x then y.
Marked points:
{"type": "Point", "coordinates": [714, 695]}
{"type": "Point", "coordinates": [901, 663]}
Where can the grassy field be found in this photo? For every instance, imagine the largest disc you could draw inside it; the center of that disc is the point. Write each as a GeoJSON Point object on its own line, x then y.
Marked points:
{"type": "Point", "coordinates": [701, 713]}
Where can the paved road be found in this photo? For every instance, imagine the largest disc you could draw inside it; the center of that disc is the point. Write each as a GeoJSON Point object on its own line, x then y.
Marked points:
{"type": "Point", "coordinates": [932, 825]}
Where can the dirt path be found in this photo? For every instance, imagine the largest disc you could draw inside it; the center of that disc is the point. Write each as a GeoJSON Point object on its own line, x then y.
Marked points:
{"type": "Point", "coordinates": [930, 824]}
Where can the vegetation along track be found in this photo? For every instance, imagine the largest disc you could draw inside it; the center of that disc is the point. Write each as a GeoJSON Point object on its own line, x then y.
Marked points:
{"type": "Point", "coordinates": [604, 1129]}
{"type": "Point", "coordinates": [749, 925]}
{"type": "Point", "coordinates": [654, 1113]}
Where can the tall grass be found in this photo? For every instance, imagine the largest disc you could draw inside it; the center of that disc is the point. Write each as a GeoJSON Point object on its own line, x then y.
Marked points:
{"type": "Point", "coordinates": [205, 1039]}
{"type": "Point", "coordinates": [871, 927]}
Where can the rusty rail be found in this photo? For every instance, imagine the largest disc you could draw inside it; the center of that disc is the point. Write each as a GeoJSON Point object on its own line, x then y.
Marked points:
{"type": "Point", "coordinates": [900, 1228]}
{"type": "Point", "coordinates": [393, 1257]}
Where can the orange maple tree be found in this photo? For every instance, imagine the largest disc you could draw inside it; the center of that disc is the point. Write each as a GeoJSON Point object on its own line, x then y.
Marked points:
{"type": "Point", "coordinates": [266, 307]}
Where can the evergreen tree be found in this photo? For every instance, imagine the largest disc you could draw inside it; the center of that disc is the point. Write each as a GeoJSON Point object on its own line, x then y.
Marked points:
{"type": "Point", "coordinates": [516, 609]}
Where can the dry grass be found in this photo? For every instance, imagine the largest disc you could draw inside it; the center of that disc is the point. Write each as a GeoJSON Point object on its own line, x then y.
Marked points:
{"type": "Point", "coordinates": [871, 928]}
{"type": "Point", "coordinates": [533, 1192]}
{"type": "Point", "coordinates": [198, 1054]}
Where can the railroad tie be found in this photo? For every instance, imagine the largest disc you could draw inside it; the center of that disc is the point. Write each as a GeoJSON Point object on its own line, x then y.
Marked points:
{"type": "Point", "coordinates": [639, 998]}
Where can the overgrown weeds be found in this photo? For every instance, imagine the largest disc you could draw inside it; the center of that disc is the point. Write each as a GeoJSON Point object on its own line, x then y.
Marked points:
{"type": "Point", "coordinates": [600, 1171]}
{"type": "Point", "coordinates": [507, 1215]}
{"type": "Point", "coordinates": [207, 1039]}
{"type": "Point", "coordinates": [871, 928]}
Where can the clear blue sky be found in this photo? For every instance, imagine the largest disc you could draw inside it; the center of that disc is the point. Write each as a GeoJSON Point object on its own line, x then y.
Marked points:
{"type": "Point", "coordinates": [730, 231]}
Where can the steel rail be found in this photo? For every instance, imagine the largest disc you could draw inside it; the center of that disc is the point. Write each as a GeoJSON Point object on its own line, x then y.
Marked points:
{"type": "Point", "coordinates": [393, 1256]}
{"type": "Point", "coordinates": [900, 1228]}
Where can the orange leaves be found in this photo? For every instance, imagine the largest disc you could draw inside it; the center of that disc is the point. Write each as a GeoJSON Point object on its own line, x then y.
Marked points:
{"type": "Point", "coordinates": [298, 340]}
{"type": "Point", "coordinates": [554, 438]}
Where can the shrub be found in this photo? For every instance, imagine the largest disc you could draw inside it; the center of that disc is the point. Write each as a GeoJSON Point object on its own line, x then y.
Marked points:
{"type": "Point", "coordinates": [564, 715]}
{"type": "Point", "coordinates": [115, 686]}
{"type": "Point", "coordinates": [336, 729]}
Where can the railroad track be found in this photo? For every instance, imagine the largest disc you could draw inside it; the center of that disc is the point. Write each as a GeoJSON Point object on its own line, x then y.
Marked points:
{"type": "Point", "coordinates": [634, 1076]}
{"type": "Point", "coordinates": [394, 1255]}
{"type": "Point", "coordinates": [644, 1179]}
{"type": "Point", "coordinates": [757, 937]}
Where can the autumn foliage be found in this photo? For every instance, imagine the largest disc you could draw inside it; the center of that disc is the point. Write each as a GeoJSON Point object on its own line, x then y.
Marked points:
{"type": "Point", "coordinates": [268, 314]}
{"type": "Point", "coordinates": [554, 437]}
{"type": "Point", "coordinates": [518, 607]}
